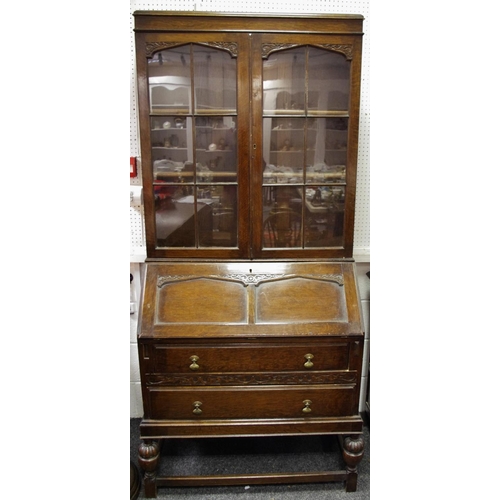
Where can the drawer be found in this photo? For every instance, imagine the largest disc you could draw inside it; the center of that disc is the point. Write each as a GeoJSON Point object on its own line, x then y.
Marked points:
{"type": "Point", "coordinates": [244, 358]}
{"type": "Point", "coordinates": [250, 403]}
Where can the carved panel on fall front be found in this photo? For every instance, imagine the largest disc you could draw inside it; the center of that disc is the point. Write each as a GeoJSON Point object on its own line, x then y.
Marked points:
{"type": "Point", "coordinates": [201, 301]}
{"type": "Point", "coordinates": [227, 298]}
{"type": "Point", "coordinates": [300, 300]}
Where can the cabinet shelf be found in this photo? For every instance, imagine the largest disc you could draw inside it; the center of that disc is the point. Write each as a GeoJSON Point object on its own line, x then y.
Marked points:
{"type": "Point", "coordinates": [215, 111]}
{"type": "Point", "coordinates": [160, 176]}
{"type": "Point", "coordinates": [214, 151]}
{"type": "Point", "coordinates": [169, 149]}
{"type": "Point", "coordinates": [207, 127]}
{"type": "Point", "coordinates": [291, 113]}
{"type": "Point", "coordinates": [170, 129]}
{"type": "Point", "coordinates": [290, 129]}
{"type": "Point", "coordinates": [169, 111]}
{"type": "Point", "coordinates": [308, 150]}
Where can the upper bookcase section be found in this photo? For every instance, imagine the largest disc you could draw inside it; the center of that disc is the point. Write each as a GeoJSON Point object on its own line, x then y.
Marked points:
{"type": "Point", "coordinates": [249, 134]}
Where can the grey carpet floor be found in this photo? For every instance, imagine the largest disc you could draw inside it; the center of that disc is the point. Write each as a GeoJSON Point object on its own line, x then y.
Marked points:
{"type": "Point", "coordinates": [255, 455]}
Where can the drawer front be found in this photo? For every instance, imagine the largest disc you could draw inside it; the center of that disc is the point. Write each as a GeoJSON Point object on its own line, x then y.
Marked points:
{"type": "Point", "coordinates": [222, 359]}
{"type": "Point", "coordinates": [249, 403]}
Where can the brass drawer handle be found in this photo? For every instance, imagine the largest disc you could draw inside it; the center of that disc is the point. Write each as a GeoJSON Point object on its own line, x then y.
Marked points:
{"type": "Point", "coordinates": [307, 407]}
{"type": "Point", "coordinates": [194, 366]}
{"type": "Point", "coordinates": [197, 410]}
{"type": "Point", "coordinates": [309, 363]}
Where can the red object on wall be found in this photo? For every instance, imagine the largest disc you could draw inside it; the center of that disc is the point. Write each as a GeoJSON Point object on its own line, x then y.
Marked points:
{"type": "Point", "coordinates": [133, 166]}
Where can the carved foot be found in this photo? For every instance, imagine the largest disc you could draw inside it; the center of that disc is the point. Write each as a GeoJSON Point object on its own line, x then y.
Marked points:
{"type": "Point", "coordinates": [352, 451]}
{"type": "Point", "coordinates": [149, 453]}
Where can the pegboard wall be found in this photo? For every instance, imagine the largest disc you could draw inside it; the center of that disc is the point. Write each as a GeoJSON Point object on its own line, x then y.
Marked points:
{"type": "Point", "coordinates": [362, 218]}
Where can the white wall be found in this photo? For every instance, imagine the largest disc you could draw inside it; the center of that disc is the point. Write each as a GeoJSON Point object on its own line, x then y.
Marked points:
{"type": "Point", "coordinates": [136, 410]}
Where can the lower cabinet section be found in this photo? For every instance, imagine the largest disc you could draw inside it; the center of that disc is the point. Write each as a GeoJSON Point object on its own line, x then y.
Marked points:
{"type": "Point", "coordinates": [271, 369]}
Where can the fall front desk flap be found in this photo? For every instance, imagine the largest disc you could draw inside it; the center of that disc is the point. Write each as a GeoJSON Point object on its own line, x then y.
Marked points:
{"type": "Point", "coordinates": [247, 299]}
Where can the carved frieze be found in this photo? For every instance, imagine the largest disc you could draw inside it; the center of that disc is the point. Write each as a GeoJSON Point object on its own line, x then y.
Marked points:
{"type": "Point", "coordinates": [230, 47]}
{"type": "Point", "coordinates": [250, 278]}
{"type": "Point", "coordinates": [346, 49]}
{"type": "Point", "coordinates": [251, 379]}
{"type": "Point", "coordinates": [267, 48]}
{"type": "Point", "coordinates": [152, 47]}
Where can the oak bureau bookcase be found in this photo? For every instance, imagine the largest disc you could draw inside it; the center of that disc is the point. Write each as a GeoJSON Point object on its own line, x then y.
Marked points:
{"type": "Point", "coordinates": [250, 319]}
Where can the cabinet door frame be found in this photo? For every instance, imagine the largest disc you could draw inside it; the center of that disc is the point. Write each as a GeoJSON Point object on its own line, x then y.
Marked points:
{"type": "Point", "coordinates": [350, 47]}
{"type": "Point", "coordinates": [338, 33]}
{"type": "Point", "coordinates": [237, 44]}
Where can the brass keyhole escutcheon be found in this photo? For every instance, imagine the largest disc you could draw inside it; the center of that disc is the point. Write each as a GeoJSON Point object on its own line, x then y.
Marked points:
{"type": "Point", "coordinates": [307, 407]}
{"type": "Point", "coordinates": [309, 363]}
{"type": "Point", "coordinates": [197, 410]}
{"type": "Point", "coordinates": [194, 366]}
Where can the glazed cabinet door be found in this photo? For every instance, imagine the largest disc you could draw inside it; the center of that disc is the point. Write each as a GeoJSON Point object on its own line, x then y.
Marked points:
{"type": "Point", "coordinates": [194, 114]}
{"type": "Point", "coordinates": [305, 110]}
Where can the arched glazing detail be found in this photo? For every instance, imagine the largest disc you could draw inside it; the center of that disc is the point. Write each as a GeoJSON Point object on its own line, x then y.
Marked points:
{"type": "Point", "coordinates": [305, 130]}
{"type": "Point", "coordinates": [193, 115]}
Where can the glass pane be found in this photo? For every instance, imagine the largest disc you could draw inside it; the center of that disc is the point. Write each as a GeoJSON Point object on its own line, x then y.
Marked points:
{"type": "Point", "coordinates": [336, 146]}
{"type": "Point", "coordinates": [284, 82]}
{"type": "Point", "coordinates": [328, 83]}
{"type": "Point", "coordinates": [326, 150]}
{"type": "Point", "coordinates": [282, 223]}
{"type": "Point", "coordinates": [216, 149]}
{"type": "Point", "coordinates": [194, 211]}
{"type": "Point", "coordinates": [170, 80]}
{"type": "Point", "coordinates": [283, 150]}
{"type": "Point", "coordinates": [214, 80]}
{"type": "Point", "coordinates": [175, 221]}
{"type": "Point", "coordinates": [172, 151]}
{"type": "Point", "coordinates": [218, 227]}
{"type": "Point", "coordinates": [324, 216]}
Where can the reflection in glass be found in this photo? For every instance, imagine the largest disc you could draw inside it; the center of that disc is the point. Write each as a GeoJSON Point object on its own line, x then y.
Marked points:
{"type": "Point", "coordinates": [214, 80]}
{"type": "Point", "coordinates": [170, 80]}
{"type": "Point", "coordinates": [326, 150]}
{"type": "Point", "coordinates": [174, 206]}
{"type": "Point", "coordinates": [327, 160]}
{"type": "Point", "coordinates": [324, 216]}
{"type": "Point", "coordinates": [328, 81]}
{"type": "Point", "coordinates": [282, 222]}
{"type": "Point", "coordinates": [219, 228]}
{"type": "Point", "coordinates": [284, 82]}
